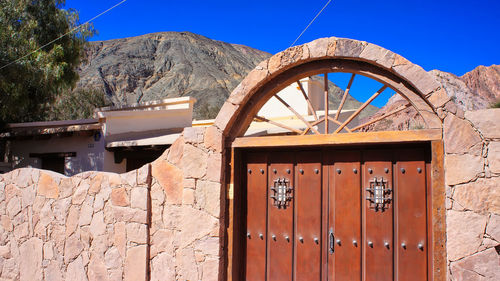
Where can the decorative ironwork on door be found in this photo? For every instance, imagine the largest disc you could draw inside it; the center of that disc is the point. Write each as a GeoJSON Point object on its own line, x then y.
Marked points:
{"type": "Point", "coordinates": [282, 192]}
{"type": "Point", "coordinates": [379, 195]}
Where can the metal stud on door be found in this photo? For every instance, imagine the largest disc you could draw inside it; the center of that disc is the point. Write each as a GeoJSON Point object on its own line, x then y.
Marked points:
{"type": "Point", "coordinates": [377, 216]}
{"type": "Point", "coordinates": [410, 216]}
{"type": "Point", "coordinates": [345, 217]}
{"type": "Point", "coordinates": [280, 217]}
{"type": "Point", "coordinates": [308, 216]}
{"type": "Point", "coordinates": [256, 174]}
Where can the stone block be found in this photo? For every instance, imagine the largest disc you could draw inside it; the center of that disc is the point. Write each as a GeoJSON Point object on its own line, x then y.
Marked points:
{"type": "Point", "coordinates": [483, 266]}
{"type": "Point", "coordinates": [213, 139]}
{"type": "Point", "coordinates": [120, 238]}
{"type": "Point", "coordinates": [162, 267]}
{"type": "Point", "coordinates": [162, 242]}
{"type": "Point", "coordinates": [462, 168]}
{"type": "Point", "coordinates": [464, 233]}
{"type": "Point", "coordinates": [193, 135]}
{"type": "Point", "coordinates": [13, 207]}
{"type": "Point", "coordinates": [439, 98]}
{"type": "Point", "coordinates": [47, 186]}
{"type": "Point", "coordinates": [188, 196]}
{"type": "Point", "coordinates": [139, 198]}
{"type": "Point", "coordinates": [294, 55]}
{"type": "Point", "coordinates": [186, 265]}
{"type": "Point", "coordinates": [97, 269]}
{"type": "Point", "coordinates": [487, 121]}
{"type": "Point", "coordinates": [28, 196]}
{"type": "Point", "coordinates": [113, 258]}
{"type": "Point", "coordinates": [30, 260]}
{"type": "Point", "coordinates": [136, 233]}
{"type": "Point", "coordinates": [119, 197]}
{"type": "Point", "coordinates": [209, 246]}
{"type": "Point", "coordinates": [80, 193]}
{"type": "Point", "coordinates": [97, 226]}
{"type": "Point", "coordinates": [194, 162]}
{"type": "Point", "coordinates": [170, 178]}
{"type": "Point", "coordinates": [53, 272]}
{"type": "Point", "coordinates": [349, 48]}
{"type": "Point", "coordinates": [459, 136]}
{"type": "Point", "coordinates": [481, 196]}
{"type": "Point", "coordinates": [225, 115]}
{"type": "Point", "coordinates": [318, 48]}
{"type": "Point", "coordinates": [493, 228]}
{"type": "Point", "coordinates": [378, 55]}
{"type": "Point", "coordinates": [210, 269]}
{"type": "Point", "coordinates": [214, 167]}
{"type": "Point", "coordinates": [135, 264]}
{"type": "Point", "coordinates": [208, 197]}
{"type": "Point", "coordinates": [72, 248]}
{"type": "Point", "coordinates": [76, 271]}
{"type": "Point", "coordinates": [418, 77]}
{"type": "Point", "coordinates": [195, 224]}
{"type": "Point", "coordinates": [274, 63]}
{"type": "Point", "coordinates": [95, 184]}
{"type": "Point", "coordinates": [494, 157]}
{"type": "Point", "coordinates": [130, 178]}
{"type": "Point", "coordinates": [86, 212]}
{"type": "Point", "coordinates": [72, 220]}
{"type": "Point", "coordinates": [174, 152]}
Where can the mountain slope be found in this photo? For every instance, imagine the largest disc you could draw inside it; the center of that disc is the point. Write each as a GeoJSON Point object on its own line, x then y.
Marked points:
{"type": "Point", "coordinates": [484, 81]}
{"type": "Point", "coordinates": [168, 64]}
{"type": "Point", "coordinates": [172, 64]}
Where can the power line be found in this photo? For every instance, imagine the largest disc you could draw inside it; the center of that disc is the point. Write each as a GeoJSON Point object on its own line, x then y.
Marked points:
{"type": "Point", "coordinates": [310, 23]}
{"type": "Point", "coordinates": [58, 38]}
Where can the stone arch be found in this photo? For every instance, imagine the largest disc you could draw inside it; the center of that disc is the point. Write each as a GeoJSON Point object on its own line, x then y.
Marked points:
{"type": "Point", "coordinates": [334, 55]}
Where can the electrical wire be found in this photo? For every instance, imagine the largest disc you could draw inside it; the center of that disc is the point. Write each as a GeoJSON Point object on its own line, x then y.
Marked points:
{"type": "Point", "coordinates": [324, 7]}
{"type": "Point", "coordinates": [67, 33]}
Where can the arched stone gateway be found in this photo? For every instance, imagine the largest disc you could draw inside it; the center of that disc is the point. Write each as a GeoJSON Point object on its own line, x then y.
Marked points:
{"type": "Point", "coordinates": [327, 201]}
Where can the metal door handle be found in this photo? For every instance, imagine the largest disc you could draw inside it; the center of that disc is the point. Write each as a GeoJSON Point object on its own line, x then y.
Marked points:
{"type": "Point", "coordinates": [331, 241]}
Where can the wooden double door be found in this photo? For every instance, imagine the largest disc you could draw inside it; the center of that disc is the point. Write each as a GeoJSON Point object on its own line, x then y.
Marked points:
{"type": "Point", "coordinates": [336, 214]}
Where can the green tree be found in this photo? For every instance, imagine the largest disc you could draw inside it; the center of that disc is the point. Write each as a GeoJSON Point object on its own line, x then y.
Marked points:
{"type": "Point", "coordinates": [29, 86]}
{"type": "Point", "coordinates": [77, 104]}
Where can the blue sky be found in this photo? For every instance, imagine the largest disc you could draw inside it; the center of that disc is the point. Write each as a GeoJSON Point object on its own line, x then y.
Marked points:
{"type": "Point", "coordinates": [454, 36]}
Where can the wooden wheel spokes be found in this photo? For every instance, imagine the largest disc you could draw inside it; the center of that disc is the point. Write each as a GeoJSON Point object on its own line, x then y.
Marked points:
{"type": "Point", "coordinates": [311, 108]}
{"type": "Point", "coordinates": [363, 106]}
{"type": "Point", "coordinates": [311, 126]}
{"type": "Point", "coordinates": [346, 92]}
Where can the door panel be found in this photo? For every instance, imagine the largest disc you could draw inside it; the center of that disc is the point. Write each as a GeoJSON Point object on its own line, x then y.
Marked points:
{"type": "Point", "coordinates": [377, 221]}
{"type": "Point", "coordinates": [256, 171]}
{"type": "Point", "coordinates": [346, 215]}
{"type": "Point", "coordinates": [410, 220]}
{"type": "Point", "coordinates": [308, 208]}
{"type": "Point", "coordinates": [373, 201]}
{"type": "Point", "coordinates": [280, 223]}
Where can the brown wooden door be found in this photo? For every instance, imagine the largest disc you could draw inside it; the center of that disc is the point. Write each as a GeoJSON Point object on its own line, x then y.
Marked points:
{"type": "Point", "coordinates": [335, 214]}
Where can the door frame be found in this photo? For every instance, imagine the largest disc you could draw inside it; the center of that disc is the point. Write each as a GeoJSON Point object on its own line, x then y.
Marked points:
{"type": "Point", "coordinates": [234, 257]}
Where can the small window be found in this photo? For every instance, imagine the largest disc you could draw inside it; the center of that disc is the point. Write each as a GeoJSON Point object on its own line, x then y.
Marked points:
{"type": "Point", "coordinates": [55, 164]}
{"type": "Point", "coordinates": [53, 161]}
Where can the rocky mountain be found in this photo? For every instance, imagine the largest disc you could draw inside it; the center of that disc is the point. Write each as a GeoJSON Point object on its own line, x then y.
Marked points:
{"type": "Point", "coordinates": [477, 89]}
{"type": "Point", "coordinates": [173, 64]}
{"type": "Point", "coordinates": [168, 64]}
{"type": "Point", "coordinates": [484, 81]}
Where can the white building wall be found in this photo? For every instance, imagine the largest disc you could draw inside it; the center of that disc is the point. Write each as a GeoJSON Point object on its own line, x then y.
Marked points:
{"type": "Point", "coordinates": [90, 154]}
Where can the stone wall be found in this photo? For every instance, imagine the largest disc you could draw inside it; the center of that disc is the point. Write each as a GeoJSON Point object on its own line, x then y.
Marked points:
{"type": "Point", "coordinates": [91, 226]}
{"type": "Point", "coordinates": [472, 171]}
{"type": "Point", "coordinates": [160, 222]}
{"type": "Point", "coordinates": [164, 222]}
